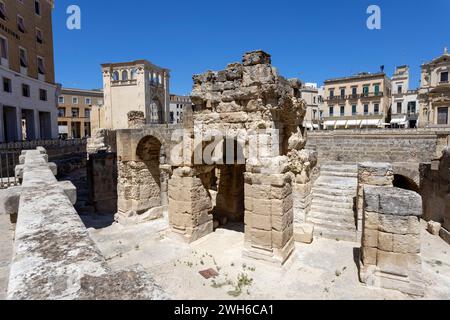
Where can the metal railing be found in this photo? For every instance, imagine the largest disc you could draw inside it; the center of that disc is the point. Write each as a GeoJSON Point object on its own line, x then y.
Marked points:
{"type": "Point", "coordinates": [29, 145]}
{"type": "Point", "coordinates": [8, 162]}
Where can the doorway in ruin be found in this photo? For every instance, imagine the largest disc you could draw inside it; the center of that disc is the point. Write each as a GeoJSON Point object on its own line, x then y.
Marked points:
{"type": "Point", "coordinates": [228, 183]}
{"type": "Point", "coordinates": [147, 175]}
{"type": "Point", "coordinates": [403, 182]}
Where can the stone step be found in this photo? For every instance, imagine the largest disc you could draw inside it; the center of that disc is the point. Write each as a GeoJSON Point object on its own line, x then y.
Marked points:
{"type": "Point", "coordinates": [347, 204]}
{"type": "Point", "coordinates": [342, 183]}
{"type": "Point", "coordinates": [328, 173]}
{"type": "Point", "coordinates": [339, 168]}
{"type": "Point", "coordinates": [334, 234]}
{"type": "Point", "coordinates": [334, 198]}
{"type": "Point", "coordinates": [333, 192]}
{"type": "Point", "coordinates": [332, 210]}
{"type": "Point", "coordinates": [331, 219]}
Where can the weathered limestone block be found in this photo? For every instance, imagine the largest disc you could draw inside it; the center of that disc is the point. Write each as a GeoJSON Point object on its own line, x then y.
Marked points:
{"type": "Point", "coordinates": [269, 217]}
{"type": "Point", "coordinates": [136, 119]}
{"type": "Point", "coordinates": [255, 58]}
{"type": "Point", "coordinates": [390, 251]}
{"type": "Point", "coordinates": [9, 200]}
{"type": "Point", "coordinates": [371, 174]}
{"type": "Point", "coordinates": [434, 228]}
{"type": "Point", "coordinates": [190, 205]}
{"type": "Point", "coordinates": [304, 233]}
{"type": "Point", "coordinates": [70, 190]}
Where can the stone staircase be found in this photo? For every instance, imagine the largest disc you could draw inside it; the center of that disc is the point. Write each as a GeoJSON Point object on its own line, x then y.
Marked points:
{"type": "Point", "coordinates": [333, 199]}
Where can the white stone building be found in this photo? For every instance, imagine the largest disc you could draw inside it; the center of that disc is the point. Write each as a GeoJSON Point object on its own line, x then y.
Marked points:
{"type": "Point", "coordinates": [405, 107]}
{"type": "Point", "coordinates": [178, 106]}
{"type": "Point", "coordinates": [133, 86]}
{"type": "Point", "coordinates": [313, 97]}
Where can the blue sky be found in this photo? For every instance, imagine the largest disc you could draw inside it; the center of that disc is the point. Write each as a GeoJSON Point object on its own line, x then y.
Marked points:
{"type": "Point", "coordinates": [311, 40]}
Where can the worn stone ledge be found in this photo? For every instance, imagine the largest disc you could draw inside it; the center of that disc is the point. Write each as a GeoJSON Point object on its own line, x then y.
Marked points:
{"type": "Point", "coordinates": [54, 257]}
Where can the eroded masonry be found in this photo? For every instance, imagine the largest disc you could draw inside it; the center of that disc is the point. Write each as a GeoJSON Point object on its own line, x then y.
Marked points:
{"type": "Point", "coordinates": [240, 156]}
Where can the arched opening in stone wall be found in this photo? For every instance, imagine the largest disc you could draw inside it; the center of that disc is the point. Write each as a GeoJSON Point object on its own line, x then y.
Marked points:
{"type": "Point", "coordinates": [148, 175]}
{"type": "Point", "coordinates": [228, 182]}
{"type": "Point", "coordinates": [402, 182]}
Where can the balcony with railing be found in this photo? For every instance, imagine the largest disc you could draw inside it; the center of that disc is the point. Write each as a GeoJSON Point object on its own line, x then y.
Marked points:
{"type": "Point", "coordinates": [355, 96]}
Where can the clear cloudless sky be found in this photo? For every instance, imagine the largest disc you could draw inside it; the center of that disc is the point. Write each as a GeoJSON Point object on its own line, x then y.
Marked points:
{"type": "Point", "coordinates": [311, 40]}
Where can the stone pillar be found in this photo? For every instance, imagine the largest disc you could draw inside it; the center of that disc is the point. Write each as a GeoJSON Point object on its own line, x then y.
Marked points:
{"type": "Point", "coordinates": [390, 251]}
{"type": "Point", "coordinates": [374, 174]}
{"type": "Point", "coordinates": [190, 205]}
{"type": "Point", "coordinates": [269, 217]}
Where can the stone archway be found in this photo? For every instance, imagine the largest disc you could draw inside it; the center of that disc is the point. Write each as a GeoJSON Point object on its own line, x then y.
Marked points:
{"type": "Point", "coordinates": [403, 182]}
{"type": "Point", "coordinates": [139, 189]}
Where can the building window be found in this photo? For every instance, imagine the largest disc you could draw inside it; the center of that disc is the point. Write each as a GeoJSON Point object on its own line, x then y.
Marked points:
{"type": "Point", "coordinates": [442, 116]}
{"type": "Point", "coordinates": [124, 75]}
{"type": "Point", "coordinates": [444, 77]}
{"type": "Point", "coordinates": [342, 93]}
{"type": "Point", "coordinates": [26, 90]}
{"type": "Point", "coordinates": [88, 101]}
{"type": "Point", "coordinates": [40, 65]}
{"type": "Point", "coordinates": [412, 107]}
{"type": "Point", "coordinates": [331, 111]}
{"type": "Point", "coordinates": [342, 111]}
{"type": "Point", "coordinates": [115, 76]}
{"type": "Point", "coordinates": [61, 112]}
{"type": "Point", "coordinates": [354, 91]}
{"type": "Point", "coordinates": [366, 90]}
{"type": "Point", "coordinates": [399, 89]}
{"type": "Point", "coordinates": [366, 109]}
{"type": "Point", "coordinates": [87, 113]}
{"type": "Point", "coordinates": [37, 7]}
{"type": "Point", "coordinates": [7, 87]}
{"type": "Point", "coordinates": [354, 110]}
{"type": "Point", "coordinates": [74, 100]}
{"type": "Point", "coordinates": [331, 94]}
{"type": "Point", "coordinates": [75, 112]}
{"type": "Point", "coordinates": [376, 108]}
{"type": "Point", "coordinates": [399, 107]}
{"type": "Point", "coordinates": [23, 58]}
{"type": "Point", "coordinates": [3, 48]}
{"type": "Point", "coordinates": [43, 94]}
{"type": "Point", "coordinates": [2, 11]}
{"type": "Point", "coordinates": [20, 24]}
{"type": "Point", "coordinates": [377, 89]}
{"type": "Point", "coordinates": [61, 99]}
{"type": "Point", "coordinates": [39, 36]}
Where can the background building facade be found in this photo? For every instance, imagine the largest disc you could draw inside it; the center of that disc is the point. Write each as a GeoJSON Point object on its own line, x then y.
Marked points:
{"type": "Point", "coordinates": [405, 108]}
{"type": "Point", "coordinates": [28, 91]}
{"type": "Point", "coordinates": [177, 107]}
{"type": "Point", "coordinates": [74, 112]}
{"type": "Point", "coordinates": [314, 106]}
{"type": "Point", "coordinates": [434, 92]}
{"type": "Point", "coordinates": [360, 101]}
{"type": "Point", "coordinates": [134, 86]}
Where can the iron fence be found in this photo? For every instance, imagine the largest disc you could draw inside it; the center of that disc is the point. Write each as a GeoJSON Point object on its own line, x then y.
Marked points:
{"type": "Point", "coordinates": [8, 162]}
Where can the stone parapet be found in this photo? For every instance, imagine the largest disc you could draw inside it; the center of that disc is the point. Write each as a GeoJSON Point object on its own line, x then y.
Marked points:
{"type": "Point", "coordinates": [390, 250]}
{"type": "Point", "coordinates": [54, 257]}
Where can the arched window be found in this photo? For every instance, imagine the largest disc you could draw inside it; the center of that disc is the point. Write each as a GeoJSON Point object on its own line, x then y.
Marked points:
{"type": "Point", "coordinates": [115, 76]}
{"type": "Point", "coordinates": [124, 75]}
{"type": "Point", "coordinates": [133, 74]}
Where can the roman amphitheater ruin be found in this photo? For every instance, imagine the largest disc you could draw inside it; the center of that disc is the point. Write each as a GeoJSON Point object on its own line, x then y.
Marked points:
{"type": "Point", "coordinates": [240, 161]}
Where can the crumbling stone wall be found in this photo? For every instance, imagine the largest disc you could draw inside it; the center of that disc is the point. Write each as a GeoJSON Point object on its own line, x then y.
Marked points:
{"type": "Point", "coordinates": [252, 104]}
{"type": "Point", "coordinates": [418, 146]}
{"type": "Point", "coordinates": [435, 177]}
{"type": "Point", "coordinates": [390, 251]}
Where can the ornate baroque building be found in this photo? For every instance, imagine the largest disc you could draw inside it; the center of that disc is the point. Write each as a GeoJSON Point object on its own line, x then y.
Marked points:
{"type": "Point", "coordinates": [434, 93]}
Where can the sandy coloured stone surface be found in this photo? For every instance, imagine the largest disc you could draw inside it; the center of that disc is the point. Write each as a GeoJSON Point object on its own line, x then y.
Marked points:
{"type": "Point", "coordinates": [326, 269]}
